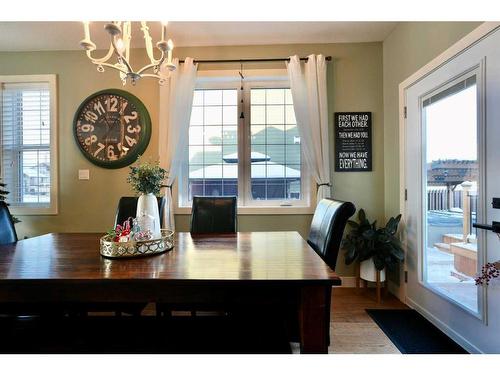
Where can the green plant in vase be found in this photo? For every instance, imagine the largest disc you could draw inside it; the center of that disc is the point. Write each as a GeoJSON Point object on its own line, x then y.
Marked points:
{"type": "Point", "coordinates": [375, 248]}
{"type": "Point", "coordinates": [147, 180]}
{"type": "Point", "coordinates": [3, 197]}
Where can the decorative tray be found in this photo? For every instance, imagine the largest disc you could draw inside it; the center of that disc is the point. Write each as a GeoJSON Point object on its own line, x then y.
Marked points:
{"type": "Point", "coordinates": [111, 249]}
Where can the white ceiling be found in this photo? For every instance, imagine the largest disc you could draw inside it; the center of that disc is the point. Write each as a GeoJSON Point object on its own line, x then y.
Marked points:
{"type": "Point", "coordinates": [36, 36]}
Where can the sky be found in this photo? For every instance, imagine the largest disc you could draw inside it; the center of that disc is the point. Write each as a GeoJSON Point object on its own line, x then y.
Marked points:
{"type": "Point", "coordinates": [452, 127]}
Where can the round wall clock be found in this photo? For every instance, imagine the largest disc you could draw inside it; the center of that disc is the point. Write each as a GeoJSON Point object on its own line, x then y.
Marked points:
{"type": "Point", "coordinates": [112, 128]}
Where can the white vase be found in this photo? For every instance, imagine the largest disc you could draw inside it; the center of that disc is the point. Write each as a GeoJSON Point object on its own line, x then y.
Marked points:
{"type": "Point", "coordinates": [368, 272]}
{"type": "Point", "coordinates": [148, 204]}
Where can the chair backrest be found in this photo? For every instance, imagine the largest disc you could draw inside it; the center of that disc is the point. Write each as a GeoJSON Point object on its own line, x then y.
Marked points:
{"type": "Point", "coordinates": [127, 207]}
{"type": "Point", "coordinates": [7, 230]}
{"type": "Point", "coordinates": [213, 215]}
{"type": "Point", "coordinates": [327, 228]}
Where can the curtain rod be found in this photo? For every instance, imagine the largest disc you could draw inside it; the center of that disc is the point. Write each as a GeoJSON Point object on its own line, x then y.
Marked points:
{"type": "Point", "coordinates": [327, 58]}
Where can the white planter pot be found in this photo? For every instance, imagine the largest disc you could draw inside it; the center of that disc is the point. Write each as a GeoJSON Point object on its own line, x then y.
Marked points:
{"type": "Point", "coordinates": [148, 204]}
{"type": "Point", "coordinates": [368, 272]}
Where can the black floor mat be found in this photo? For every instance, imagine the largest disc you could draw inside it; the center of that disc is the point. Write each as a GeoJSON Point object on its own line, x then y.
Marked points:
{"type": "Point", "coordinates": [413, 334]}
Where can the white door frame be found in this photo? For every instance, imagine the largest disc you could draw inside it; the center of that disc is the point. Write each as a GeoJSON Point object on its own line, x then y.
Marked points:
{"type": "Point", "coordinates": [462, 45]}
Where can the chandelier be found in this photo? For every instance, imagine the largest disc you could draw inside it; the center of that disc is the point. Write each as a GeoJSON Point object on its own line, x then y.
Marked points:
{"type": "Point", "coordinates": [121, 35]}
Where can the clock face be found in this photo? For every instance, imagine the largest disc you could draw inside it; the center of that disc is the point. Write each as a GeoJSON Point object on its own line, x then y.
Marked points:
{"type": "Point", "coordinates": [112, 128]}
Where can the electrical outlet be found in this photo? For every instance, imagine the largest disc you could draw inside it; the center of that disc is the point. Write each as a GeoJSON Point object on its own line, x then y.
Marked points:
{"type": "Point", "coordinates": [83, 174]}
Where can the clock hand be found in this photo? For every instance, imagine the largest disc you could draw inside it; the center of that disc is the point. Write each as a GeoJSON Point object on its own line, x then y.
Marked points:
{"type": "Point", "coordinates": [109, 129]}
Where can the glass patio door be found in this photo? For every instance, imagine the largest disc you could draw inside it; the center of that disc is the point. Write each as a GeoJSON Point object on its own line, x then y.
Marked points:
{"type": "Point", "coordinates": [451, 189]}
{"type": "Point", "coordinates": [451, 175]}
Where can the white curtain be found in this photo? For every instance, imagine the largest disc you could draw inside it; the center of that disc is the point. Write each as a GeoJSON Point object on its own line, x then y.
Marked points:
{"type": "Point", "coordinates": [309, 93]}
{"type": "Point", "coordinates": [176, 100]}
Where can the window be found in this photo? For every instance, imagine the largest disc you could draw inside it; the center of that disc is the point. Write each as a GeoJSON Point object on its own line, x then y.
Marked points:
{"type": "Point", "coordinates": [244, 142]}
{"type": "Point", "coordinates": [452, 190]}
{"type": "Point", "coordinates": [213, 144]}
{"type": "Point", "coordinates": [27, 130]}
{"type": "Point", "coordinates": [275, 145]}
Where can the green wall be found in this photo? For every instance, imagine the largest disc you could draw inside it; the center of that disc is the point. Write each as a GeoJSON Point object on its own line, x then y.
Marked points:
{"type": "Point", "coordinates": [410, 46]}
{"type": "Point", "coordinates": [354, 84]}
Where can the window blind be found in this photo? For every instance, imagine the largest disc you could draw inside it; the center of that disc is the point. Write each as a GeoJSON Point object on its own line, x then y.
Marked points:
{"type": "Point", "coordinates": [460, 86]}
{"type": "Point", "coordinates": [25, 142]}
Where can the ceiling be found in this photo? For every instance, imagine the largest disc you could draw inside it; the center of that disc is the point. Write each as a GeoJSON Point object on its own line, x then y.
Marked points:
{"type": "Point", "coordinates": [37, 36]}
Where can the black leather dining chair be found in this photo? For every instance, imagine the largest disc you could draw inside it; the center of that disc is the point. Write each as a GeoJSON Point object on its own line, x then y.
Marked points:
{"type": "Point", "coordinates": [7, 230]}
{"type": "Point", "coordinates": [327, 228]}
{"type": "Point", "coordinates": [209, 215]}
{"type": "Point", "coordinates": [127, 207]}
{"type": "Point", "coordinates": [325, 235]}
{"type": "Point", "coordinates": [213, 215]}
{"type": "Point", "coordinates": [8, 235]}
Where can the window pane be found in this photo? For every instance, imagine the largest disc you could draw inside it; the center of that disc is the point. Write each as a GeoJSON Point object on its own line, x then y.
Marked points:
{"type": "Point", "coordinates": [275, 96]}
{"type": "Point", "coordinates": [275, 134]}
{"type": "Point", "coordinates": [213, 174]}
{"type": "Point", "coordinates": [196, 135]}
{"type": "Point", "coordinates": [213, 97]}
{"type": "Point", "coordinates": [195, 154]}
{"type": "Point", "coordinates": [212, 154]}
{"type": "Point", "coordinates": [275, 114]}
{"type": "Point", "coordinates": [258, 134]}
{"type": "Point", "coordinates": [230, 135]}
{"type": "Point", "coordinates": [230, 154]}
{"type": "Point", "coordinates": [230, 115]}
{"type": "Point", "coordinates": [292, 135]}
{"type": "Point", "coordinates": [213, 151]}
{"type": "Point", "coordinates": [290, 115]}
{"type": "Point", "coordinates": [213, 135]}
{"type": "Point", "coordinates": [259, 153]}
{"type": "Point", "coordinates": [258, 96]}
{"type": "Point", "coordinates": [25, 147]}
{"type": "Point", "coordinates": [213, 116]}
{"type": "Point", "coordinates": [258, 114]}
{"type": "Point", "coordinates": [292, 155]}
{"type": "Point", "coordinates": [230, 97]}
{"type": "Point", "coordinates": [276, 153]}
{"type": "Point", "coordinates": [275, 148]}
{"type": "Point", "coordinates": [451, 192]}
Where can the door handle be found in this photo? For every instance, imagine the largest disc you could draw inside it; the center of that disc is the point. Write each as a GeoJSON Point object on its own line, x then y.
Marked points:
{"type": "Point", "coordinates": [494, 227]}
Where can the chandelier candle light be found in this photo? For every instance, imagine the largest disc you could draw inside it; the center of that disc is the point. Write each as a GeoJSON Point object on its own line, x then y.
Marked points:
{"type": "Point", "coordinates": [121, 35]}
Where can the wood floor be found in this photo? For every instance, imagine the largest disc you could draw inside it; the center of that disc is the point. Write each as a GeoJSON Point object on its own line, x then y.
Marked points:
{"type": "Point", "coordinates": [352, 331]}
{"type": "Point", "coordinates": [351, 328]}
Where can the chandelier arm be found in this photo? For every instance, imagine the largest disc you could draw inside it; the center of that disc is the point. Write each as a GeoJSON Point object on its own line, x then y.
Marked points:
{"type": "Point", "coordinates": [150, 75]}
{"type": "Point", "coordinates": [121, 58]}
{"type": "Point", "coordinates": [101, 60]}
{"type": "Point", "coordinates": [150, 66]}
{"type": "Point", "coordinates": [111, 66]}
{"type": "Point", "coordinates": [148, 41]}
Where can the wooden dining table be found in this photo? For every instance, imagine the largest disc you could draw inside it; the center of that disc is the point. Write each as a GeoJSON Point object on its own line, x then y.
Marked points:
{"type": "Point", "coordinates": [254, 269]}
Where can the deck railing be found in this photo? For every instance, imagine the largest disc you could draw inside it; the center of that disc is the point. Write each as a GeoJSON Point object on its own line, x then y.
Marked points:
{"type": "Point", "coordinates": [464, 199]}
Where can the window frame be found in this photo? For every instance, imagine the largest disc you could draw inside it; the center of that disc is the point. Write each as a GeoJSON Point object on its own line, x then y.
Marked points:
{"type": "Point", "coordinates": [28, 209]}
{"type": "Point", "coordinates": [246, 204]}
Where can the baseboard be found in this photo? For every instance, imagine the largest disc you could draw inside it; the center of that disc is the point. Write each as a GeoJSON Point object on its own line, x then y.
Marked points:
{"type": "Point", "coordinates": [451, 333]}
{"type": "Point", "coordinates": [350, 282]}
{"type": "Point", "coordinates": [347, 282]}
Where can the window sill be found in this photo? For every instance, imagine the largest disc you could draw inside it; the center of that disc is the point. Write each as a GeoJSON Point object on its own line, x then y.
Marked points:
{"type": "Point", "coordinates": [262, 210]}
{"type": "Point", "coordinates": [32, 211]}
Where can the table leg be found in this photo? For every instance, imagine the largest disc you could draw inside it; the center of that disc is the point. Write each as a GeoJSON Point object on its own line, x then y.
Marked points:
{"type": "Point", "coordinates": [314, 319]}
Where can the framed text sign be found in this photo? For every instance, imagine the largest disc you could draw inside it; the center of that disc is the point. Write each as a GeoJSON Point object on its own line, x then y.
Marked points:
{"type": "Point", "coordinates": [353, 141]}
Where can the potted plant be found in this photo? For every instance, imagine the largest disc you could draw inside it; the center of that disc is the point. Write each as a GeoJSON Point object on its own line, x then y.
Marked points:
{"type": "Point", "coordinates": [375, 248]}
{"type": "Point", "coordinates": [146, 180]}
